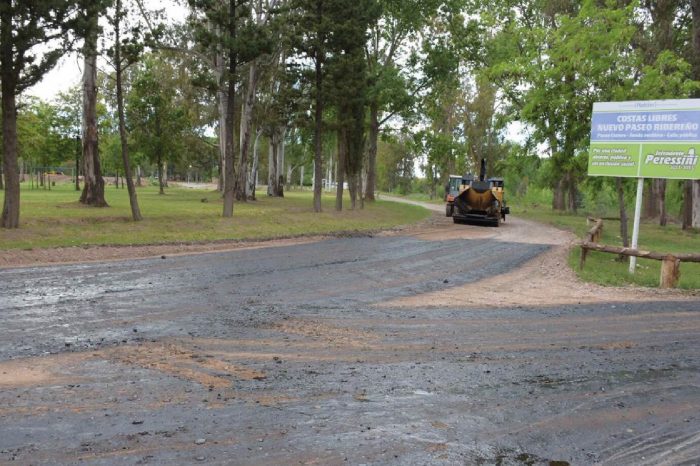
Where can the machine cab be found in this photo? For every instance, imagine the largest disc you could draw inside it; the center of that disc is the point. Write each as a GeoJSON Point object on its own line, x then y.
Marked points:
{"type": "Point", "coordinates": [452, 188]}
{"type": "Point", "coordinates": [495, 182]}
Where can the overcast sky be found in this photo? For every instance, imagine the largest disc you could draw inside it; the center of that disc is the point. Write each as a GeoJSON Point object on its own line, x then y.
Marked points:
{"type": "Point", "coordinates": [69, 69]}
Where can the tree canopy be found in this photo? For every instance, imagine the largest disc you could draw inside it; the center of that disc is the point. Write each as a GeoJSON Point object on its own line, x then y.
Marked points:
{"type": "Point", "coordinates": [372, 93]}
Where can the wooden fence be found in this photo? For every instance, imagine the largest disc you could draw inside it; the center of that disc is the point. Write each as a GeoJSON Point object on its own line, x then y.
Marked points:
{"type": "Point", "coordinates": [670, 263]}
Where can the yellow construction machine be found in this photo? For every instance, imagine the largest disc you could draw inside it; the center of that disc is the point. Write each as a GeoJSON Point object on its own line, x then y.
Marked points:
{"type": "Point", "coordinates": [476, 200]}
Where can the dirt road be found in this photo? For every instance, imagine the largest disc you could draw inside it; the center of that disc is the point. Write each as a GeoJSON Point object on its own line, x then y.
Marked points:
{"type": "Point", "coordinates": [449, 344]}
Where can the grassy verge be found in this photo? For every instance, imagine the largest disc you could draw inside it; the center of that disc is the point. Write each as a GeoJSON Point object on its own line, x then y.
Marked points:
{"type": "Point", "coordinates": [606, 269]}
{"type": "Point", "coordinates": [55, 218]}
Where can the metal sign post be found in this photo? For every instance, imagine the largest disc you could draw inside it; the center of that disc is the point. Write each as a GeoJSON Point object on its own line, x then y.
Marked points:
{"type": "Point", "coordinates": [637, 217]}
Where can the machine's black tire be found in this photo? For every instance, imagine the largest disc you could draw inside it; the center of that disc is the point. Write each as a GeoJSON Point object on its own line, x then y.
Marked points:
{"type": "Point", "coordinates": [449, 210]}
{"type": "Point", "coordinates": [455, 220]}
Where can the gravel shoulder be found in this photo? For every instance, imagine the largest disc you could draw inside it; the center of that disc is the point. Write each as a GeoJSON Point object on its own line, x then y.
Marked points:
{"type": "Point", "coordinates": [96, 254]}
{"type": "Point", "coordinates": [544, 280]}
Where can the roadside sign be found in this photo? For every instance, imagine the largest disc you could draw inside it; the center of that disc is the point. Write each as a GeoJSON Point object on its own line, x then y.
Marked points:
{"type": "Point", "coordinates": [646, 139]}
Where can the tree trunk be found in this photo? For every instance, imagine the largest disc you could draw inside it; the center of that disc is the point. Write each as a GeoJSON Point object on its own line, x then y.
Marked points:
{"type": "Point", "coordinates": [138, 176]}
{"type": "Point", "coordinates": [280, 161]}
{"type": "Point", "coordinates": [318, 130]}
{"type": "Point", "coordinates": [160, 173]}
{"type": "Point", "coordinates": [372, 151]}
{"type": "Point", "coordinates": [271, 160]}
{"type": "Point", "coordinates": [77, 163]}
{"type": "Point", "coordinates": [272, 166]}
{"type": "Point", "coordinates": [352, 188]}
{"type": "Point", "coordinates": [159, 156]}
{"type": "Point", "coordinates": [661, 190]}
{"type": "Point", "coordinates": [2, 186]}
{"type": "Point", "coordinates": [93, 184]}
{"type": "Point", "coordinates": [360, 192]}
{"type": "Point", "coordinates": [687, 209]}
{"type": "Point", "coordinates": [222, 150]}
{"type": "Point", "coordinates": [340, 168]}
{"type": "Point", "coordinates": [275, 163]}
{"type": "Point", "coordinates": [10, 209]}
{"type": "Point", "coordinates": [133, 201]}
{"type": "Point", "coordinates": [650, 199]}
{"type": "Point", "coordinates": [558, 200]}
{"type": "Point", "coordinates": [623, 212]}
{"type": "Point", "coordinates": [252, 180]}
{"type": "Point", "coordinates": [229, 178]}
{"type": "Point", "coordinates": [245, 132]}
{"type": "Point", "coordinates": [222, 98]}
{"type": "Point", "coordinates": [572, 192]}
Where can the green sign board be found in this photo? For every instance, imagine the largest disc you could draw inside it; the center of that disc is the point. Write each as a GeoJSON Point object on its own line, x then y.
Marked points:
{"type": "Point", "coordinates": [646, 139]}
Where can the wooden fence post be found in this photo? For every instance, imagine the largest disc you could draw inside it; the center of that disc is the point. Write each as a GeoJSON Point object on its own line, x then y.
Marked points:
{"type": "Point", "coordinates": [584, 253]}
{"type": "Point", "coordinates": [670, 272]}
{"type": "Point", "coordinates": [594, 234]}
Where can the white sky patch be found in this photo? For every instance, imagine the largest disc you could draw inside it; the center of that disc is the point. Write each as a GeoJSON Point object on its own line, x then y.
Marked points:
{"type": "Point", "coordinates": [68, 72]}
{"type": "Point", "coordinates": [515, 131]}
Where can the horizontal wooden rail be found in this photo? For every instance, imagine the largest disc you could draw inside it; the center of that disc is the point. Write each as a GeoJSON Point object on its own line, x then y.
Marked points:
{"type": "Point", "coordinates": [670, 263]}
{"type": "Point", "coordinates": [659, 256]}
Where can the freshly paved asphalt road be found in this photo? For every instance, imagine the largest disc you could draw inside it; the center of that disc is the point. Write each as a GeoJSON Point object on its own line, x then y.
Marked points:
{"type": "Point", "coordinates": [282, 356]}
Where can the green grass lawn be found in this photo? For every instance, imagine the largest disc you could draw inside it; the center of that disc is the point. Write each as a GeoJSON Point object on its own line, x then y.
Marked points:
{"type": "Point", "coordinates": [55, 218]}
{"type": "Point", "coordinates": [605, 268]}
